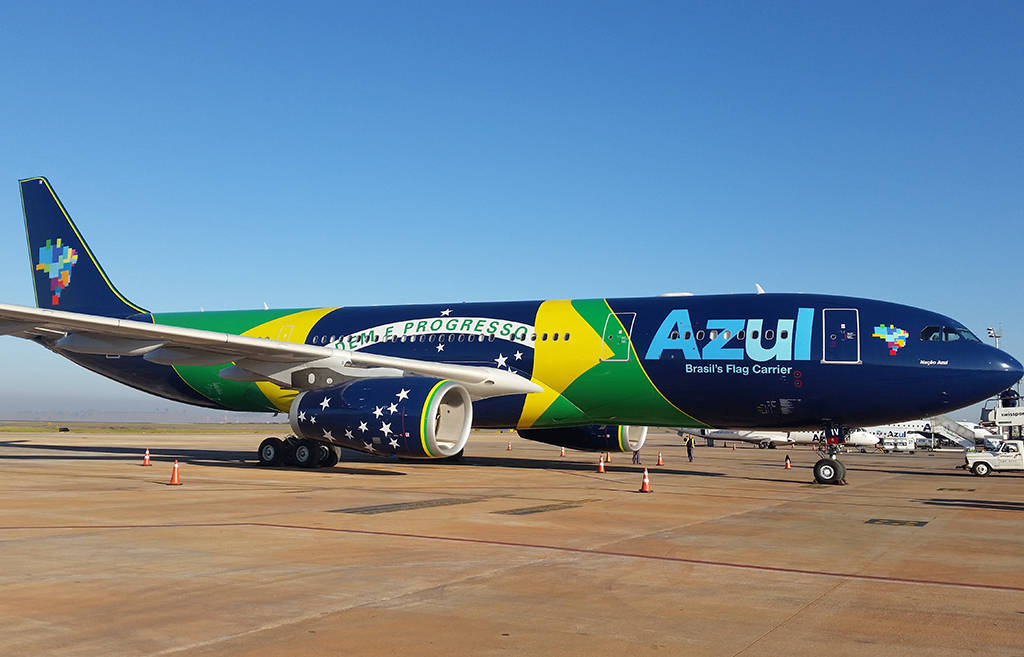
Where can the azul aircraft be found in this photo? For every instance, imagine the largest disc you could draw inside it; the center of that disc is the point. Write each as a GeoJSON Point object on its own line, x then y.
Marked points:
{"type": "Point", "coordinates": [588, 374]}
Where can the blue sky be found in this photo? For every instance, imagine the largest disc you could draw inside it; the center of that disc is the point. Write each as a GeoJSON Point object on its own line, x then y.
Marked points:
{"type": "Point", "coordinates": [329, 153]}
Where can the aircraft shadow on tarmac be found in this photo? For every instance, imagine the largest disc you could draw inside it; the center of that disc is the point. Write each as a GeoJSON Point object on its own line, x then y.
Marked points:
{"type": "Point", "coordinates": [996, 505]}
{"type": "Point", "coordinates": [201, 457]}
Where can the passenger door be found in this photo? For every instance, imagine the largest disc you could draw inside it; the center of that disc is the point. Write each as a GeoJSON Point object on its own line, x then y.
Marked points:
{"type": "Point", "coordinates": [615, 345]}
{"type": "Point", "coordinates": [841, 336]}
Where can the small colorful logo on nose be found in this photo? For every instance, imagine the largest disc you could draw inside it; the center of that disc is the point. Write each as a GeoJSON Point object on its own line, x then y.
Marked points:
{"type": "Point", "coordinates": [56, 261]}
{"type": "Point", "coordinates": [894, 337]}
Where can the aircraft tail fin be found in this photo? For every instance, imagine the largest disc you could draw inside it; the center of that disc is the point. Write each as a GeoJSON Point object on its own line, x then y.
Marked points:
{"type": "Point", "coordinates": [66, 274]}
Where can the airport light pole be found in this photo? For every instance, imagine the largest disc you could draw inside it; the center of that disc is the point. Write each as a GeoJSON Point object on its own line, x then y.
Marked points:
{"type": "Point", "coordinates": [992, 333]}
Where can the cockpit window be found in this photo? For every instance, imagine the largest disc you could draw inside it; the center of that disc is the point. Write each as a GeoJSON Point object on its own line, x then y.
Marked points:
{"type": "Point", "coordinates": [967, 335]}
{"type": "Point", "coordinates": [947, 334]}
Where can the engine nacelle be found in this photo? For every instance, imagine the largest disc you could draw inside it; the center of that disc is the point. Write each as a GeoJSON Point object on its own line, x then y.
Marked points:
{"type": "Point", "coordinates": [413, 417]}
{"type": "Point", "coordinates": [591, 438]}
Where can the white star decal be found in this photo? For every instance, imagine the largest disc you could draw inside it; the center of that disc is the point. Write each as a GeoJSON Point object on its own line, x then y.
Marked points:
{"type": "Point", "coordinates": [325, 403]}
{"type": "Point", "coordinates": [302, 415]}
{"type": "Point", "coordinates": [327, 435]}
{"type": "Point", "coordinates": [368, 446]}
{"type": "Point", "coordinates": [393, 409]}
{"type": "Point", "coordinates": [446, 312]}
{"type": "Point", "coordinates": [518, 355]}
{"type": "Point", "coordinates": [312, 419]}
{"type": "Point", "coordinates": [393, 443]}
{"type": "Point", "coordinates": [500, 360]}
{"type": "Point", "coordinates": [363, 427]}
{"type": "Point", "coordinates": [348, 434]}
{"type": "Point", "coordinates": [378, 411]}
{"type": "Point", "coordinates": [404, 394]}
{"type": "Point", "coordinates": [440, 348]}
{"type": "Point", "coordinates": [385, 427]}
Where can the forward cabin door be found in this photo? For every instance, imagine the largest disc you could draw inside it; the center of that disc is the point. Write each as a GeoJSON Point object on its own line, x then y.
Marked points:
{"type": "Point", "coordinates": [841, 343]}
{"type": "Point", "coordinates": [615, 339]}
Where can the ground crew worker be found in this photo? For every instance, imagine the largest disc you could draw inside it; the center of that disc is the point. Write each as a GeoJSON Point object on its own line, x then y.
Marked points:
{"type": "Point", "coordinates": [689, 446]}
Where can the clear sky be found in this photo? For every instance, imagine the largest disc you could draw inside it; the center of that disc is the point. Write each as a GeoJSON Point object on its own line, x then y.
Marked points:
{"type": "Point", "coordinates": [223, 155]}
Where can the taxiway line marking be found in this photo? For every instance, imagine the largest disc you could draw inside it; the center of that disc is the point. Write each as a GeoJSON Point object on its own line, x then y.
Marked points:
{"type": "Point", "coordinates": [537, 546]}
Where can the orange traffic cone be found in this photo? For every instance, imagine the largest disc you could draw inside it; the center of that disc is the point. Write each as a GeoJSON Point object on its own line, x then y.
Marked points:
{"type": "Point", "coordinates": [175, 481]}
{"type": "Point", "coordinates": [734, 447]}
{"type": "Point", "coordinates": [645, 487]}
{"type": "Point", "coordinates": [660, 462]}
{"type": "Point", "coordinates": [788, 465]}
{"type": "Point", "coordinates": [145, 459]}
{"type": "Point", "coordinates": [563, 452]}
{"type": "Point", "coordinates": [600, 465]}
{"type": "Point", "coordinates": [607, 457]}
{"type": "Point", "coordinates": [509, 448]}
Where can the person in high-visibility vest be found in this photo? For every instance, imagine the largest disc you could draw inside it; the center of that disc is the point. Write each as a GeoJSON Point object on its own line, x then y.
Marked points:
{"type": "Point", "coordinates": [689, 446]}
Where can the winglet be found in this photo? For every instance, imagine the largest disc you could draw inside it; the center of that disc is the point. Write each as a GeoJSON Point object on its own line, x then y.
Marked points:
{"type": "Point", "coordinates": [66, 274]}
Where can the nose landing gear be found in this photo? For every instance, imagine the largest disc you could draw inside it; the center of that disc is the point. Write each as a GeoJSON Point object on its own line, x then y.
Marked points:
{"type": "Point", "coordinates": [829, 469]}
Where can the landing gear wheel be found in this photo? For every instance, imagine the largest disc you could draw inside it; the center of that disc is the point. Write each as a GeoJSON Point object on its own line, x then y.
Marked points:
{"type": "Point", "coordinates": [290, 443]}
{"type": "Point", "coordinates": [307, 453]}
{"type": "Point", "coordinates": [771, 446]}
{"type": "Point", "coordinates": [455, 458]}
{"type": "Point", "coordinates": [828, 471]}
{"type": "Point", "coordinates": [842, 472]}
{"type": "Point", "coordinates": [330, 456]}
{"type": "Point", "coordinates": [271, 451]}
{"type": "Point", "coordinates": [981, 469]}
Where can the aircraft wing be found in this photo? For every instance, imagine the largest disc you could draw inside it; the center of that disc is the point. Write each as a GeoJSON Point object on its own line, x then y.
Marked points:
{"type": "Point", "coordinates": [287, 364]}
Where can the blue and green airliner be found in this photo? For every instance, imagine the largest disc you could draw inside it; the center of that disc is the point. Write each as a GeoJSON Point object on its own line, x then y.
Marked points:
{"type": "Point", "coordinates": [412, 380]}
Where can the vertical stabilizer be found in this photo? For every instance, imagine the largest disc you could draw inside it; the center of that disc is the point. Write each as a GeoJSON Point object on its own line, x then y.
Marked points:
{"type": "Point", "coordinates": [66, 274]}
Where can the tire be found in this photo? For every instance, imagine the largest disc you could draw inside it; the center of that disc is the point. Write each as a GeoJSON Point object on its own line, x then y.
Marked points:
{"type": "Point", "coordinates": [762, 446]}
{"type": "Point", "coordinates": [307, 453]}
{"type": "Point", "coordinates": [331, 457]}
{"type": "Point", "coordinates": [290, 443]}
{"type": "Point", "coordinates": [271, 452]}
{"type": "Point", "coordinates": [981, 469]}
{"type": "Point", "coordinates": [771, 445]}
{"type": "Point", "coordinates": [828, 471]}
{"type": "Point", "coordinates": [842, 472]}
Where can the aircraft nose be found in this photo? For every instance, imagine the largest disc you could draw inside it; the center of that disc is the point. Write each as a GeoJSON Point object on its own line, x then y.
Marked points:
{"type": "Point", "coordinates": [1008, 366]}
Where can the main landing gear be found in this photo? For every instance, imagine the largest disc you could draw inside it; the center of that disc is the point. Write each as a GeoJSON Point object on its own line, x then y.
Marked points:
{"type": "Point", "coordinates": [302, 452]}
{"type": "Point", "coordinates": [829, 469]}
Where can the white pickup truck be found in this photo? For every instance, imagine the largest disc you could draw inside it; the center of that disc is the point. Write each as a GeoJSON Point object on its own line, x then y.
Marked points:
{"type": "Point", "coordinates": [1009, 456]}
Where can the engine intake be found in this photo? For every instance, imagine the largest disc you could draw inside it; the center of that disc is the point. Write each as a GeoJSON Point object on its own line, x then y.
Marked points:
{"type": "Point", "coordinates": [413, 417]}
{"type": "Point", "coordinates": [591, 438]}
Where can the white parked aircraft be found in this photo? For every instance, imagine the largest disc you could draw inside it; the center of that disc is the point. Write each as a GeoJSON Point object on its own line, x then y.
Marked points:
{"type": "Point", "coordinates": [772, 439]}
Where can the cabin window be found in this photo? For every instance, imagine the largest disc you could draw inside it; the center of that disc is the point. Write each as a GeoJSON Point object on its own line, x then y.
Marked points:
{"type": "Point", "coordinates": [461, 336]}
{"type": "Point", "coordinates": [949, 334]}
{"type": "Point", "coordinates": [783, 334]}
{"type": "Point", "coordinates": [712, 334]}
{"type": "Point", "coordinates": [725, 336]}
{"type": "Point", "coordinates": [931, 334]}
{"type": "Point", "coordinates": [533, 337]}
{"type": "Point", "coordinates": [554, 336]}
{"type": "Point", "coordinates": [332, 338]}
{"type": "Point", "coordinates": [700, 334]}
{"type": "Point", "coordinates": [566, 338]}
{"type": "Point", "coordinates": [480, 338]}
{"type": "Point", "coordinates": [430, 338]}
{"type": "Point", "coordinates": [543, 337]}
{"type": "Point", "coordinates": [769, 334]}
{"type": "Point", "coordinates": [740, 334]}
{"type": "Point", "coordinates": [686, 335]}
{"type": "Point", "coordinates": [490, 338]}
{"type": "Point", "coordinates": [753, 335]}
{"type": "Point", "coordinates": [673, 334]}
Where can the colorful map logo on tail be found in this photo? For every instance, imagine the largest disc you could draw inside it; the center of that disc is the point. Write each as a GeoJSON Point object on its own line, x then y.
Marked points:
{"type": "Point", "coordinates": [894, 337]}
{"type": "Point", "coordinates": [56, 261]}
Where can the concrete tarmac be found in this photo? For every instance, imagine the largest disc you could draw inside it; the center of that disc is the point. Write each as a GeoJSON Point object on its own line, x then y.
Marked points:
{"type": "Point", "coordinates": [518, 552]}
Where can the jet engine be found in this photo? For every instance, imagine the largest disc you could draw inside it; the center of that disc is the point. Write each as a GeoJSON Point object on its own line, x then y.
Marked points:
{"type": "Point", "coordinates": [591, 438]}
{"type": "Point", "coordinates": [413, 417]}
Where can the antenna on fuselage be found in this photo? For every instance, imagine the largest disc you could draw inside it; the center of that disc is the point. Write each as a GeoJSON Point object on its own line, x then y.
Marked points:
{"type": "Point", "coordinates": [760, 290]}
